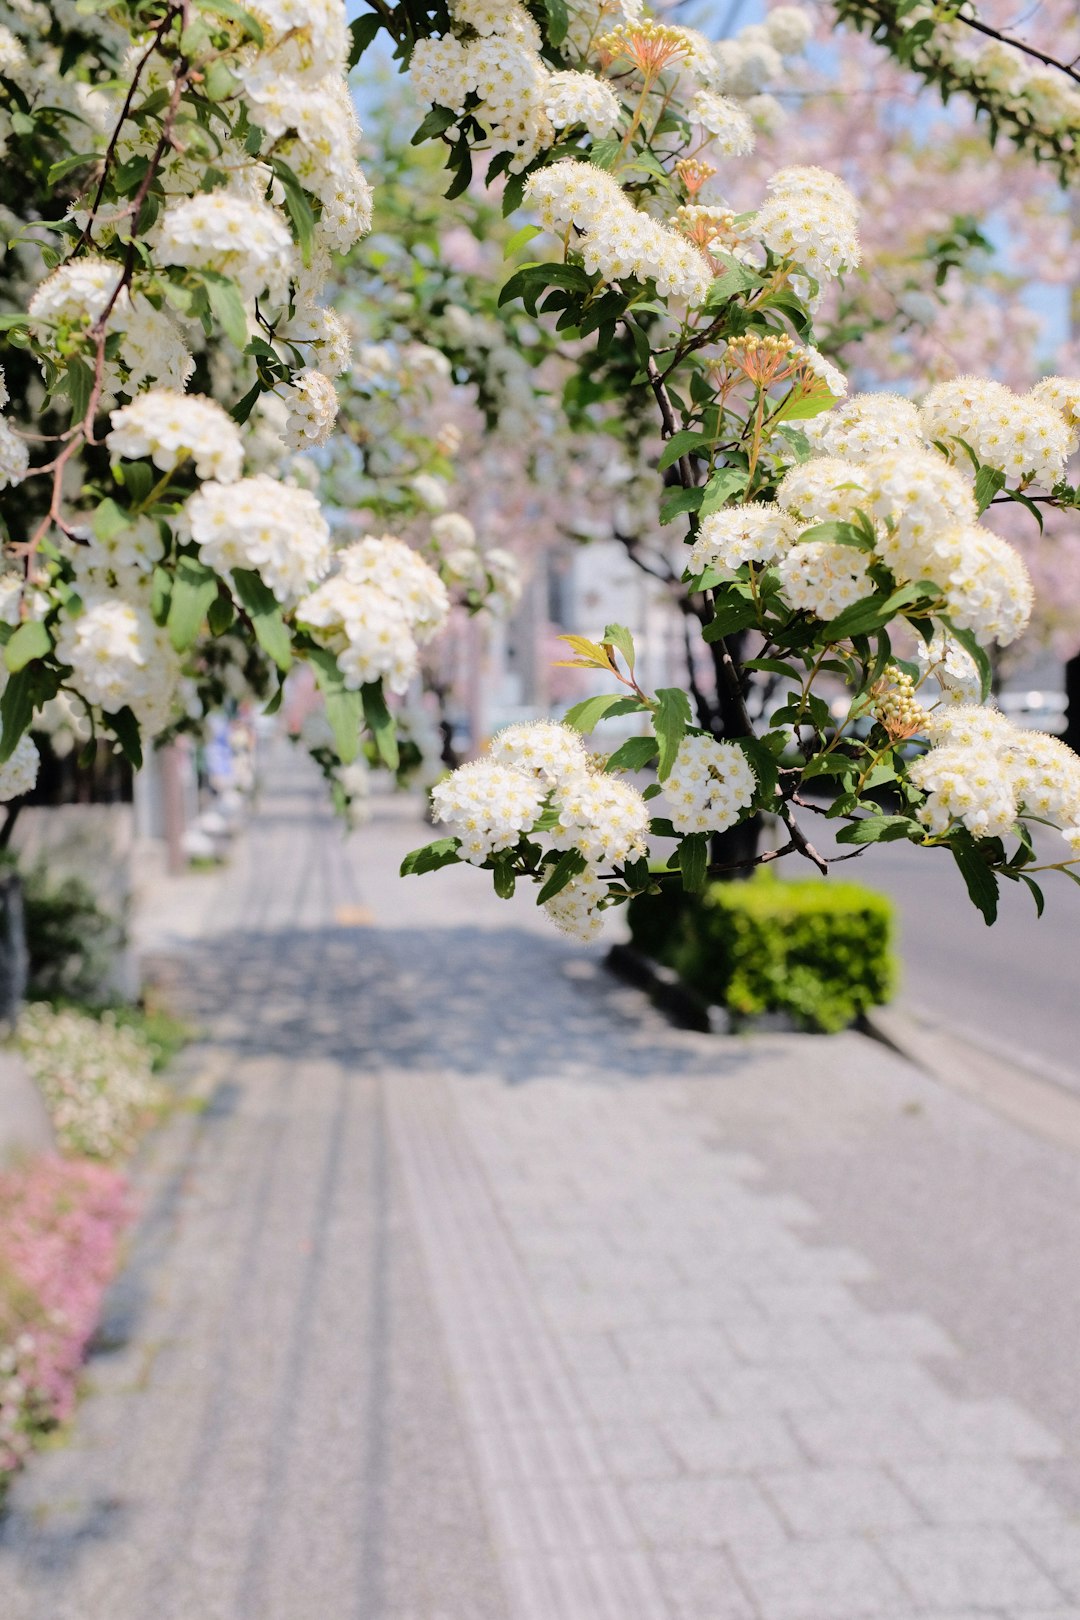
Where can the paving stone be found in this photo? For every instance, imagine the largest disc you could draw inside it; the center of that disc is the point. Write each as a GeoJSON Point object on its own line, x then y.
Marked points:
{"type": "Point", "coordinates": [838, 1579]}
{"type": "Point", "coordinates": [876, 1434]}
{"type": "Point", "coordinates": [1057, 1548]}
{"type": "Point", "coordinates": [703, 1585]}
{"type": "Point", "coordinates": [892, 1335]}
{"type": "Point", "coordinates": [823, 1502]}
{"type": "Point", "coordinates": [636, 1451]}
{"type": "Point", "coordinates": [693, 1345]}
{"type": "Point", "coordinates": [986, 1567]}
{"type": "Point", "coordinates": [988, 1428]}
{"type": "Point", "coordinates": [748, 1392]}
{"type": "Point", "coordinates": [703, 1513]}
{"type": "Point", "coordinates": [630, 1397]}
{"type": "Point", "coordinates": [732, 1445]}
{"type": "Point", "coordinates": [976, 1493]}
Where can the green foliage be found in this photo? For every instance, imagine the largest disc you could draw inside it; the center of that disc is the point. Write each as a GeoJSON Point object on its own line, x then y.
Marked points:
{"type": "Point", "coordinates": [71, 942]}
{"type": "Point", "coordinates": [822, 952]}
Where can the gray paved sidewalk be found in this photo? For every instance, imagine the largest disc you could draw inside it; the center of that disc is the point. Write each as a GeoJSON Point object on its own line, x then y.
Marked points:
{"type": "Point", "coordinates": [476, 1291]}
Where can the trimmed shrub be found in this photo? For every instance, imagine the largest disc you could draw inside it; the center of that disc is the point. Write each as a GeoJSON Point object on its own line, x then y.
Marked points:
{"type": "Point", "coordinates": [820, 952]}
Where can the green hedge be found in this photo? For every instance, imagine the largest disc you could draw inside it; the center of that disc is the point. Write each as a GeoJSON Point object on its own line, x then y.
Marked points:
{"type": "Point", "coordinates": [820, 951]}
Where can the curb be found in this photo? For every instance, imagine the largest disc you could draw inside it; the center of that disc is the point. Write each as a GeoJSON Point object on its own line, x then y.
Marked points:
{"type": "Point", "coordinates": [1044, 1107]}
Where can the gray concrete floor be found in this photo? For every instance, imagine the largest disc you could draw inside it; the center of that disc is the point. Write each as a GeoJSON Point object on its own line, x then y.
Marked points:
{"type": "Point", "coordinates": [473, 1290]}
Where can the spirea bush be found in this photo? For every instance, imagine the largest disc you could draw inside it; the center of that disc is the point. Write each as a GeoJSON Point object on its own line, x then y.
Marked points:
{"type": "Point", "coordinates": [60, 1230]}
{"type": "Point", "coordinates": [96, 1076]}
{"type": "Point", "coordinates": [821, 953]}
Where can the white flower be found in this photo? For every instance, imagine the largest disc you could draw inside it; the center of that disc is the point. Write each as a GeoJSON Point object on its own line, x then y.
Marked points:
{"type": "Point", "coordinates": [312, 404]}
{"type": "Point", "coordinates": [169, 427]}
{"type": "Point", "coordinates": [709, 786]}
{"type": "Point", "coordinates": [77, 293]}
{"type": "Point", "coordinates": [243, 239]}
{"type": "Point", "coordinates": [865, 425]}
{"type": "Point", "coordinates": [825, 490]}
{"type": "Point", "coordinates": [398, 570]}
{"type": "Point", "coordinates": [1025, 436]}
{"type": "Point", "coordinates": [19, 773]}
{"type": "Point", "coordinates": [152, 347]}
{"type": "Point", "coordinates": [811, 218]}
{"type": "Point", "coordinates": [488, 806]}
{"type": "Point", "coordinates": [952, 666]}
{"type": "Point", "coordinates": [600, 816]}
{"type": "Point", "coordinates": [262, 524]}
{"type": "Point", "coordinates": [326, 332]}
{"type": "Point", "coordinates": [969, 784]}
{"type": "Point", "coordinates": [14, 456]}
{"type": "Point", "coordinates": [453, 529]}
{"type": "Point", "coordinates": [920, 496]}
{"type": "Point", "coordinates": [575, 909]}
{"type": "Point", "coordinates": [581, 98]}
{"type": "Point", "coordinates": [430, 491]}
{"type": "Point", "coordinates": [727, 122]}
{"type": "Point", "coordinates": [987, 587]}
{"type": "Point", "coordinates": [758, 532]}
{"type": "Point", "coordinates": [367, 631]}
{"type": "Point", "coordinates": [545, 749]}
{"type": "Point", "coordinates": [1063, 393]}
{"type": "Point", "coordinates": [305, 37]}
{"type": "Point", "coordinates": [789, 29]}
{"type": "Point", "coordinates": [824, 578]}
{"type": "Point", "coordinates": [121, 659]}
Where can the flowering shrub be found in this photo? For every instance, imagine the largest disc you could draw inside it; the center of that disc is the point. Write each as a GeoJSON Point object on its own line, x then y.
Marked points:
{"type": "Point", "coordinates": [95, 1075]}
{"type": "Point", "coordinates": [60, 1227]}
{"type": "Point", "coordinates": [174, 311]}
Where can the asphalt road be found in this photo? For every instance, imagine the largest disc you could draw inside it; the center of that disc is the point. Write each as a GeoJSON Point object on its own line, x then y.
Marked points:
{"type": "Point", "coordinates": [1015, 987]}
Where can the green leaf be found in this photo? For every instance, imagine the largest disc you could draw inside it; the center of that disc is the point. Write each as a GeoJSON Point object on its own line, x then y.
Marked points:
{"type": "Point", "coordinates": [531, 280]}
{"type": "Point", "coordinates": [65, 166]}
{"type": "Point", "coordinates": [571, 864]}
{"type": "Point", "coordinates": [721, 486]}
{"type": "Point", "coordinates": [228, 306]}
{"type": "Point", "coordinates": [981, 882]}
{"type": "Point", "coordinates": [633, 755]}
{"type": "Point", "coordinates": [80, 386]}
{"type": "Point", "coordinates": [505, 881]}
{"type": "Point", "coordinates": [679, 444]}
{"type": "Point", "coordinates": [875, 830]}
{"type": "Point", "coordinates": [344, 707]}
{"type": "Point", "coordinates": [988, 480]}
{"type": "Point", "coordinates": [220, 615]}
{"type": "Point", "coordinates": [670, 720]}
{"type": "Point", "coordinates": [872, 613]}
{"type": "Point", "coordinates": [1039, 897]}
{"type": "Point", "coordinates": [297, 207]}
{"type": "Point", "coordinates": [264, 611]}
{"type": "Point", "coordinates": [125, 727]}
{"type": "Point", "coordinates": [195, 587]}
{"type": "Point", "coordinates": [839, 534]}
{"type": "Point", "coordinates": [694, 861]}
{"type": "Point", "coordinates": [733, 277]}
{"type": "Point", "coordinates": [234, 13]}
{"type": "Point", "coordinates": [380, 723]}
{"type": "Point", "coordinates": [436, 121]}
{"type": "Point", "coordinates": [31, 640]}
{"type": "Point", "coordinates": [443, 852]}
{"type": "Point", "coordinates": [732, 613]}
{"type": "Point", "coordinates": [558, 20]}
{"type": "Point", "coordinates": [519, 239]}
{"type": "Point", "coordinates": [764, 766]}
{"type": "Point", "coordinates": [16, 711]}
{"type": "Point", "coordinates": [585, 715]}
{"type": "Point", "coordinates": [617, 635]}
{"type": "Point", "coordinates": [361, 33]}
{"type": "Point", "coordinates": [676, 500]}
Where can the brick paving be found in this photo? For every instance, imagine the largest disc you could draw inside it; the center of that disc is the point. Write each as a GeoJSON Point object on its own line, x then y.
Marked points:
{"type": "Point", "coordinates": [475, 1292]}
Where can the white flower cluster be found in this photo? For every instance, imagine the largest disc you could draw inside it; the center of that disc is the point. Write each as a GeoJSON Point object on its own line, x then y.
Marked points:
{"type": "Point", "coordinates": [95, 1076]}
{"type": "Point", "coordinates": [497, 59]}
{"type": "Point", "coordinates": [617, 239]}
{"type": "Point", "coordinates": [19, 773]}
{"type": "Point", "coordinates": [488, 805]}
{"type": "Point", "coordinates": [729, 124]}
{"type": "Point", "coordinates": [602, 817]}
{"type": "Point", "coordinates": [376, 610]}
{"type": "Point", "coordinates": [151, 347]}
{"type": "Point", "coordinates": [923, 513]}
{"type": "Point", "coordinates": [575, 910]}
{"type": "Point", "coordinates": [532, 768]}
{"type": "Point", "coordinates": [759, 532]}
{"type": "Point", "coordinates": [1064, 394]}
{"type": "Point", "coordinates": [810, 218]}
{"type": "Point", "coordinates": [952, 666]}
{"type": "Point", "coordinates": [753, 58]}
{"type": "Point", "coordinates": [1025, 436]}
{"type": "Point", "coordinates": [169, 427]}
{"type": "Point", "coordinates": [984, 772]}
{"type": "Point", "coordinates": [709, 786]}
{"type": "Point", "coordinates": [120, 658]}
{"type": "Point", "coordinates": [238, 237]}
{"type": "Point", "coordinates": [262, 524]}
{"type": "Point", "coordinates": [824, 578]}
{"type": "Point", "coordinates": [312, 404]}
